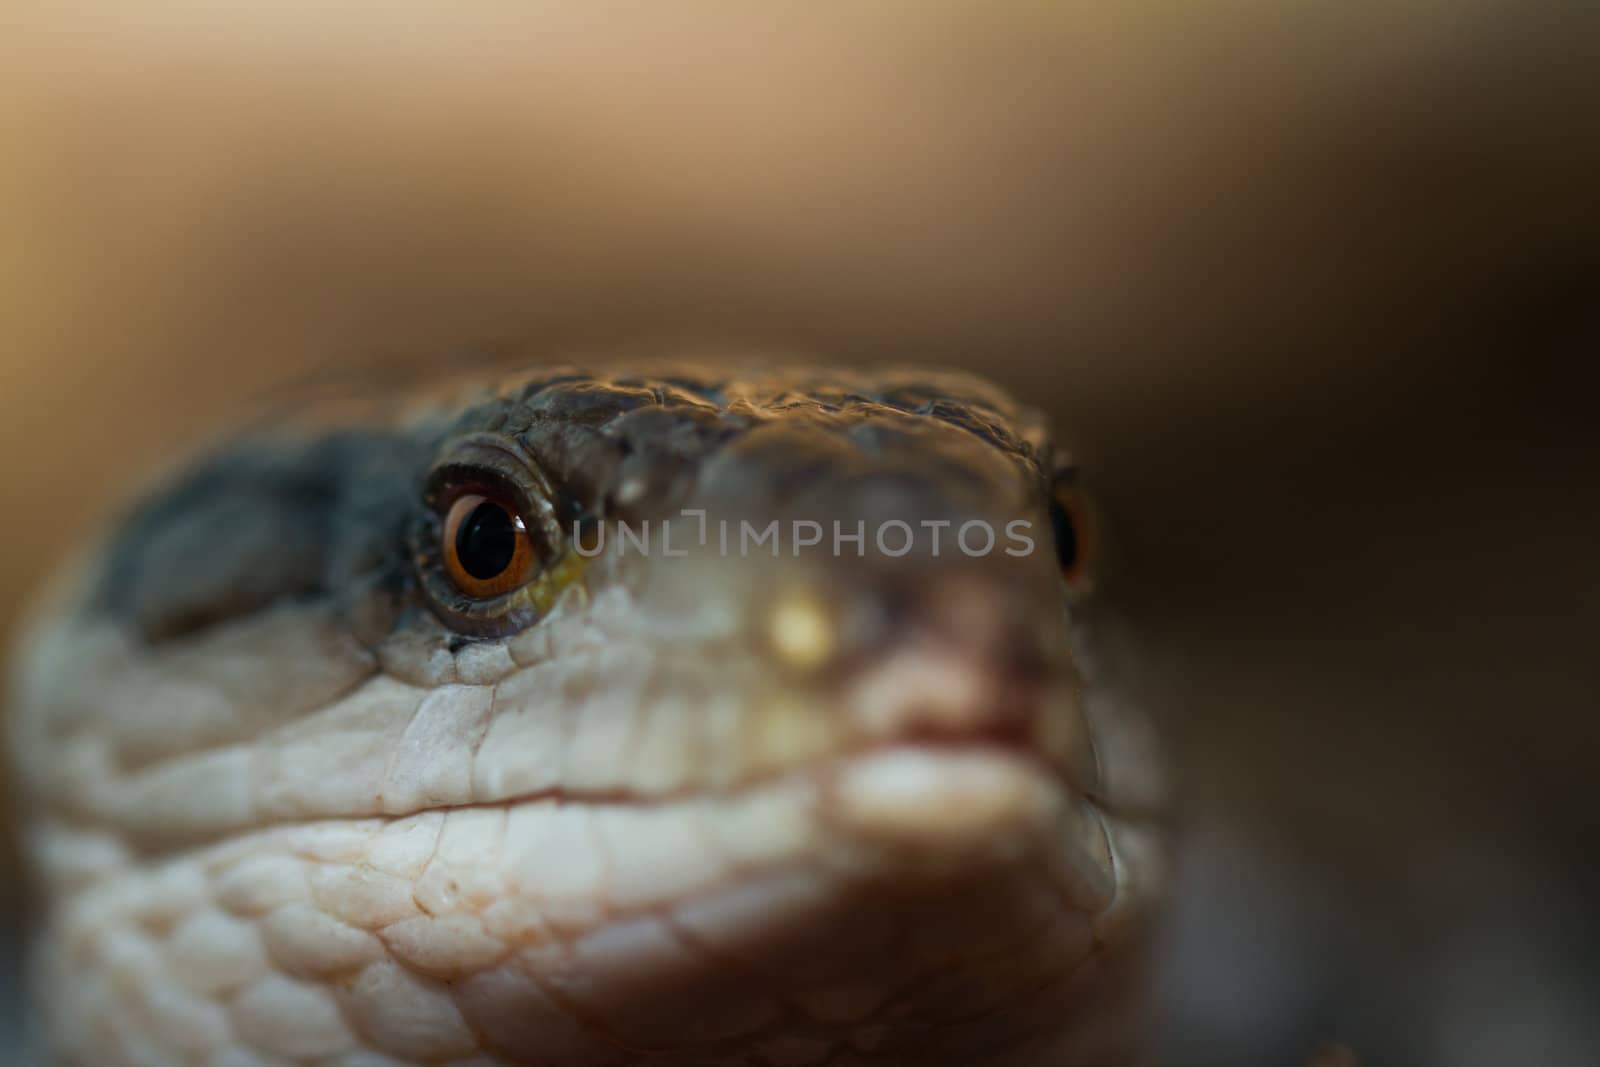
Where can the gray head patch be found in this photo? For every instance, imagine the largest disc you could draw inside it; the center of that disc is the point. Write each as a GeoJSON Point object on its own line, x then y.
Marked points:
{"type": "Point", "coordinates": [262, 522]}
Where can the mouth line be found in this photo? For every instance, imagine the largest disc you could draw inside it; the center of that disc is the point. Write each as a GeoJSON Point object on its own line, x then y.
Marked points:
{"type": "Point", "coordinates": [1014, 736]}
{"type": "Point", "coordinates": [1013, 745]}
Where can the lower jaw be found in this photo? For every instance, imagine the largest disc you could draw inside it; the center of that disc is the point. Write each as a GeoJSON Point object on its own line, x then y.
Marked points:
{"type": "Point", "coordinates": [911, 904]}
{"type": "Point", "coordinates": [947, 918]}
{"type": "Point", "coordinates": [984, 966]}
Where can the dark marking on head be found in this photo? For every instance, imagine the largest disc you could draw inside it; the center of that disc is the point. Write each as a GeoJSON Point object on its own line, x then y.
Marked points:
{"type": "Point", "coordinates": [262, 522]}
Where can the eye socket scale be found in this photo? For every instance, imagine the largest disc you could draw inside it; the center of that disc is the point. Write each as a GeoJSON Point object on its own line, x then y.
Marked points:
{"type": "Point", "coordinates": [485, 546]}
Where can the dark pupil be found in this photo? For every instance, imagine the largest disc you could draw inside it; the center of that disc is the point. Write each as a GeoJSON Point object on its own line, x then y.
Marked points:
{"type": "Point", "coordinates": [1066, 537]}
{"type": "Point", "coordinates": [486, 541]}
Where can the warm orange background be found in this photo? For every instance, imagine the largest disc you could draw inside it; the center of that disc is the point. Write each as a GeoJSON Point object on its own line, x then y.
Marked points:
{"type": "Point", "coordinates": [1305, 288]}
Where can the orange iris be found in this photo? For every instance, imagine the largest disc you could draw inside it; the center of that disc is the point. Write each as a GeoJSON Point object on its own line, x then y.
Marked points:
{"type": "Point", "coordinates": [486, 547]}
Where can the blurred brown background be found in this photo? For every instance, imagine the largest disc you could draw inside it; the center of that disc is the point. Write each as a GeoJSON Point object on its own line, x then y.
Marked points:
{"type": "Point", "coordinates": [1310, 290]}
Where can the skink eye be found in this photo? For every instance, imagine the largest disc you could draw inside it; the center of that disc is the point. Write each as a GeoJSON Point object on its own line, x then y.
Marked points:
{"type": "Point", "coordinates": [489, 548]}
{"type": "Point", "coordinates": [485, 546]}
{"type": "Point", "coordinates": [1073, 521]}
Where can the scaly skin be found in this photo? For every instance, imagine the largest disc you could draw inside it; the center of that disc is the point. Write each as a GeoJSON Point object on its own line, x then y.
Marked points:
{"type": "Point", "coordinates": [290, 806]}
